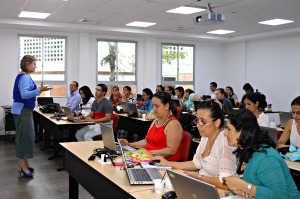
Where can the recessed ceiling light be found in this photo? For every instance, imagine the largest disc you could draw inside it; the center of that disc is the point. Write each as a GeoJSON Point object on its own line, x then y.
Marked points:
{"type": "Point", "coordinates": [36, 15]}
{"type": "Point", "coordinates": [221, 32]}
{"type": "Point", "coordinates": [140, 24]}
{"type": "Point", "coordinates": [276, 22]}
{"type": "Point", "coordinates": [185, 10]}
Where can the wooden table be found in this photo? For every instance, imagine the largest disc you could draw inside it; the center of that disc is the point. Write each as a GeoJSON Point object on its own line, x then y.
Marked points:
{"type": "Point", "coordinates": [101, 180]}
{"type": "Point", "coordinates": [62, 130]}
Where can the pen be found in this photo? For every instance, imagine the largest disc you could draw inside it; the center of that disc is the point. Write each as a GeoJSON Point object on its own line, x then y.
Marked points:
{"type": "Point", "coordinates": [163, 176]}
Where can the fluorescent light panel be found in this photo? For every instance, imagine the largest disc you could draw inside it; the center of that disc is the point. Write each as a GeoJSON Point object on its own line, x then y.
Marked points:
{"type": "Point", "coordinates": [140, 24]}
{"type": "Point", "coordinates": [221, 32]}
{"type": "Point", "coordinates": [276, 22]}
{"type": "Point", "coordinates": [185, 10]}
{"type": "Point", "coordinates": [36, 15]}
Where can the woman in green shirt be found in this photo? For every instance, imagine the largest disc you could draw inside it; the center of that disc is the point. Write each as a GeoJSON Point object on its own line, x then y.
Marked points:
{"type": "Point", "coordinates": [264, 173]}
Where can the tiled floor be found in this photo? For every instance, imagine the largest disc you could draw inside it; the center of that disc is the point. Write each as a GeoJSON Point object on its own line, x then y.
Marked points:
{"type": "Point", "coordinates": [47, 183]}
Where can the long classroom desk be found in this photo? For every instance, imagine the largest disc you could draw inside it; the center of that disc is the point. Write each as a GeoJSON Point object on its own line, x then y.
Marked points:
{"type": "Point", "coordinates": [62, 130]}
{"type": "Point", "coordinates": [138, 126]}
{"type": "Point", "coordinates": [104, 180]}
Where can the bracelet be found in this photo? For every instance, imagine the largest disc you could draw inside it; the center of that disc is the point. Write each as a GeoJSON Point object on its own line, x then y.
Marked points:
{"type": "Point", "coordinates": [249, 187]}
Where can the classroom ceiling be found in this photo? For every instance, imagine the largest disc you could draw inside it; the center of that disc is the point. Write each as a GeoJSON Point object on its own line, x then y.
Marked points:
{"type": "Point", "coordinates": [110, 16]}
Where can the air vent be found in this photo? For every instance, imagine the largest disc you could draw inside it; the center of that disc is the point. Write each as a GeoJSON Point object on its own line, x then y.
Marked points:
{"type": "Point", "coordinates": [89, 21]}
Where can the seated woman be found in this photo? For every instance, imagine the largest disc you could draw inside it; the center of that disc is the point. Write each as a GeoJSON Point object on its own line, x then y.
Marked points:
{"type": "Point", "coordinates": [87, 100]}
{"type": "Point", "coordinates": [265, 173]}
{"type": "Point", "coordinates": [115, 96]}
{"type": "Point", "coordinates": [171, 91]}
{"type": "Point", "coordinates": [213, 158]}
{"type": "Point", "coordinates": [191, 96]}
{"type": "Point", "coordinates": [128, 96]}
{"type": "Point", "coordinates": [147, 103]}
{"type": "Point", "coordinates": [292, 127]}
{"type": "Point", "coordinates": [256, 103]}
{"type": "Point", "coordinates": [232, 96]}
{"type": "Point", "coordinates": [165, 133]}
{"type": "Point", "coordinates": [179, 91]}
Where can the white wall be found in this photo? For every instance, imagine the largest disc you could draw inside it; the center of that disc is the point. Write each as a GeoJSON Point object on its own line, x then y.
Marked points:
{"type": "Point", "coordinates": [270, 65]}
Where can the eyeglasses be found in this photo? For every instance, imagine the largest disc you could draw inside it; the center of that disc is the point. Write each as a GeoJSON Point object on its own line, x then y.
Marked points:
{"type": "Point", "coordinates": [201, 122]}
{"type": "Point", "coordinates": [97, 89]}
{"type": "Point", "coordinates": [71, 85]}
{"type": "Point", "coordinates": [295, 113]}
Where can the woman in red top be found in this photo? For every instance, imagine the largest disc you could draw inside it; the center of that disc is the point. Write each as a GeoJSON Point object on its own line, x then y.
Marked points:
{"type": "Point", "coordinates": [165, 133]}
{"type": "Point", "coordinates": [115, 97]}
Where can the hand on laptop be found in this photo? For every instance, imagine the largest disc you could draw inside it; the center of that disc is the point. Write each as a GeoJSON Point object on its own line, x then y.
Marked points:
{"type": "Point", "coordinates": [163, 161]}
{"type": "Point", "coordinates": [124, 142]}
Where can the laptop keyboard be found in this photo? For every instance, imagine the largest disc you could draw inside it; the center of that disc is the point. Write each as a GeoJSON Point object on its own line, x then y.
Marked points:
{"type": "Point", "coordinates": [140, 174]}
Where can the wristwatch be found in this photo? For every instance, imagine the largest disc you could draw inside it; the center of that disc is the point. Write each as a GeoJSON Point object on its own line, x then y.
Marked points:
{"type": "Point", "coordinates": [249, 187]}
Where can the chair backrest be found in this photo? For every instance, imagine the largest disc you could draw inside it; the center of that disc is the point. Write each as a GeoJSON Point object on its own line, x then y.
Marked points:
{"type": "Point", "coordinates": [179, 111]}
{"type": "Point", "coordinates": [140, 103]}
{"type": "Point", "coordinates": [185, 149]}
{"type": "Point", "coordinates": [115, 119]}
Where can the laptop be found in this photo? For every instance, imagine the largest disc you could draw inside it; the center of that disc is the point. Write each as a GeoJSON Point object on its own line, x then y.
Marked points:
{"type": "Point", "coordinates": [133, 111]}
{"type": "Point", "coordinates": [70, 116]}
{"type": "Point", "coordinates": [109, 141]}
{"type": "Point", "coordinates": [139, 175]}
{"type": "Point", "coordinates": [274, 117]}
{"type": "Point", "coordinates": [176, 102]}
{"type": "Point", "coordinates": [284, 118]}
{"type": "Point", "coordinates": [272, 132]}
{"type": "Point", "coordinates": [59, 109]}
{"type": "Point", "coordinates": [206, 97]}
{"type": "Point", "coordinates": [188, 187]}
{"type": "Point", "coordinates": [124, 105]}
{"type": "Point", "coordinates": [196, 104]}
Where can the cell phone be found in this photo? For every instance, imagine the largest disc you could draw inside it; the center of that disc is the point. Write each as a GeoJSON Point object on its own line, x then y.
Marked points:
{"type": "Point", "coordinates": [92, 158]}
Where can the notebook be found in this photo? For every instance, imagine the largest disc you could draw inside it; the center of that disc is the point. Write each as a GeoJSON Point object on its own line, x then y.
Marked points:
{"type": "Point", "coordinates": [284, 118]}
{"type": "Point", "coordinates": [133, 111]}
{"type": "Point", "coordinates": [139, 175]}
{"type": "Point", "coordinates": [109, 141]}
{"type": "Point", "coordinates": [188, 187]}
{"type": "Point", "coordinates": [70, 116]}
{"type": "Point", "coordinates": [124, 105]}
{"type": "Point", "coordinates": [272, 132]}
{"type": "Point", "coordinates": [176, 102]}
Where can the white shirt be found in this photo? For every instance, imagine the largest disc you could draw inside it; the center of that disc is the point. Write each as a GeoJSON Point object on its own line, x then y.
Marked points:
{"type": "Point", "coordinates": [263, 120]}
{"type": "Point", "coordinates": [86, 109]}
{"type": "Point", "coordinates": [294, 137]}
{"type": "Point", "coordinates": [220, 162]}
{"type": "Point", "coordinates": [212, 94]}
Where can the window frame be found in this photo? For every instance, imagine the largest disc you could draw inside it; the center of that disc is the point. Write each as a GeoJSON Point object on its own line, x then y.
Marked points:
{"type": "Point", "coordinates": [49, 82]}
{"type": "Point", "coordinates": [117, 83]}
{"type": "Point", "coordinates": [161, 64]}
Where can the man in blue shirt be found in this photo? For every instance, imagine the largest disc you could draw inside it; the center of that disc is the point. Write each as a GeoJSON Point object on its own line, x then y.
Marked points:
{"type": "Point", "coordinates": [74, 98]}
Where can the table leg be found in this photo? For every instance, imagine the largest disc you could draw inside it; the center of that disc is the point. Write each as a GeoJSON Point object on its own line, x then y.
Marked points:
{"type": "Point", "coordinates": [73, 188]}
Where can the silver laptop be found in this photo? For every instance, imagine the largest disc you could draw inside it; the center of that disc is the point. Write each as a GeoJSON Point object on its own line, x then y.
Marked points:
{"type": "Point", "coordinates": [284, 118]}
{"type": "Point", "coordinates": [188, 187]}
{"type": "Point", "coordinates": [272, 132]}
{"type": "Point", "coordinates": [59, 109]}
{"type": "Point", "coordinates": [133, 111]}
{"type": "Point", "coordinates": [139, 175]}
{"type": "Point", "coordinates": [109, 141]}
{"type": "Point", "coordinates": [124, 105]}
{"type": "Point", "coordinates": [70, 116]}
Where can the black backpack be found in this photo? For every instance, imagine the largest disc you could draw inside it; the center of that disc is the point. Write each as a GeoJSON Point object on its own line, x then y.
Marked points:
{"type": "Point", "coordinates": [186, 121]}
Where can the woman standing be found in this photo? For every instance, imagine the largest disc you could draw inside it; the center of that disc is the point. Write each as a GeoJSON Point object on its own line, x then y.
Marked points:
{"type": "Point", "coordinates": [24, 95]}
{"type": "Point", "coordinates": [87, 100]}
{"type": "Point", "coordinates": [265, 173]}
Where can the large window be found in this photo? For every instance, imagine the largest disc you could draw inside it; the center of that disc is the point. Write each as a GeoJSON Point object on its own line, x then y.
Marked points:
{"type": "Point", "coordinates": [51, 61]}
{"type": "Point", "coordinates": [116, 63]}
{"type": "Point", "coordinates": [178, 65]}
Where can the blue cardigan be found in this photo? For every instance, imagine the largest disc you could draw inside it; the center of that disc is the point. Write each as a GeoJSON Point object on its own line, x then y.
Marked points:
{"type": "Point", "coordinates": [271, 176]}
{"type": "Point", "coordinates": [150, 107]}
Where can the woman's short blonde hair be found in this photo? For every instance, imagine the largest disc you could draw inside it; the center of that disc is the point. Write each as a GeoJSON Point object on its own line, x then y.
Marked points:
{"type": "Point", "coordinates": [26, 61]}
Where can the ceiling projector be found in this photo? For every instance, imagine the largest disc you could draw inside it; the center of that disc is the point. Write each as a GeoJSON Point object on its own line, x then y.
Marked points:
{"type": "Point", "coordinates": [210, 18]}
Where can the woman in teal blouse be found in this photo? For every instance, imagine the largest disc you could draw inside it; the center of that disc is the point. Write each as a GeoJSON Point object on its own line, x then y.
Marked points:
{"type": "Point", "coordinates": [264, 173]}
